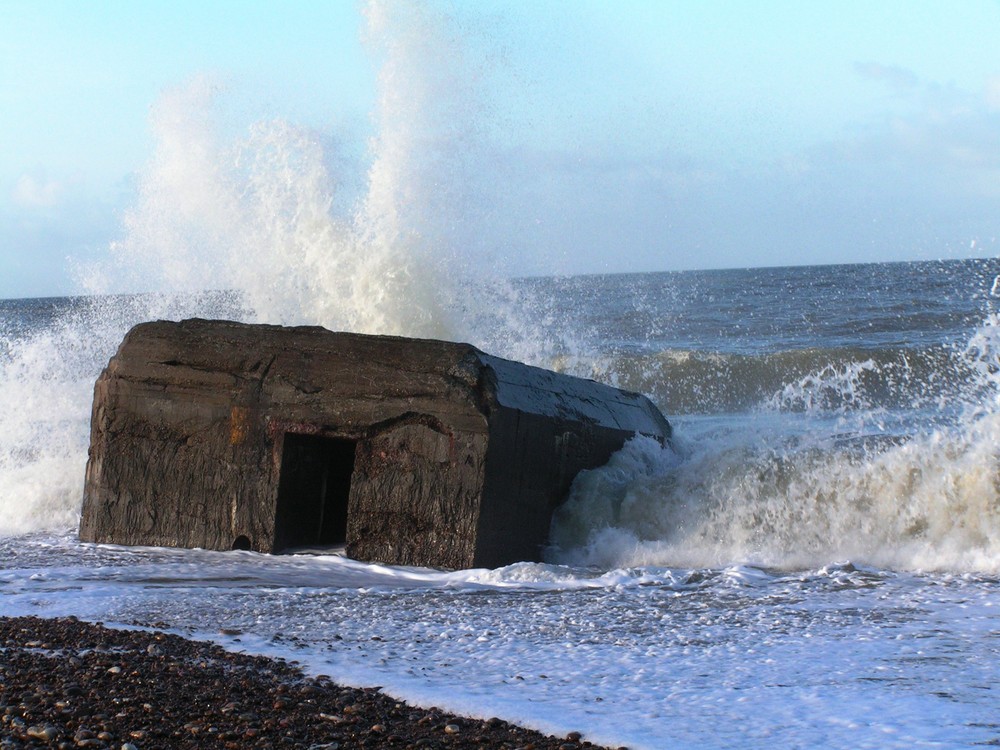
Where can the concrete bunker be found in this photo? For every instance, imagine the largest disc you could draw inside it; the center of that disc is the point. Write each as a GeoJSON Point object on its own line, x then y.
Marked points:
{"type": "Point", "coordinates": [226, 435]}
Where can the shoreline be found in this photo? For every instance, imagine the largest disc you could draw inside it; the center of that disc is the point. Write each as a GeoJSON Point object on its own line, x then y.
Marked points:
{"type": "Point", "coordinates": [66, 683]}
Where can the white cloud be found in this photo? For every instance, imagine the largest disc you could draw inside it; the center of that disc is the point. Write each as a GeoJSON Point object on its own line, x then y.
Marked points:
{"type": "Point", "coordinates": [45, 223]}
{"type": "Point", "coordinates": [896, 77]}
{"type": "Point", "coordinates": [939, 129]}
{"type": "Point", "coordinates": [34, 191]}
{"type": "Point", "coordinates": [917, 181]}
{"type": "Point", "coordinates": [992, 93]}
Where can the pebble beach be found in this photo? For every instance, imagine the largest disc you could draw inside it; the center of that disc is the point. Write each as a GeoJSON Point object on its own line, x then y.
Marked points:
{"type": "Point", "coordinates": [65, 683]}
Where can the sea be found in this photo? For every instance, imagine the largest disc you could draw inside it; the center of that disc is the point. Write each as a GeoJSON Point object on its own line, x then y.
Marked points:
{"type": "Point", "coordinates": [813, 561]}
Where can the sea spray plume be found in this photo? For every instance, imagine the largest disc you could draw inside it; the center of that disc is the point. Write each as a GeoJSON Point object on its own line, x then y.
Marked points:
{"type": "Point", "coordinates": [982, 355]}
{"type": "Point", "coordinates": [46, 384]}
{"type": "Point", "coordinates": [255, 214]}
{"type": "Point", "coordinates": [262, 214]}
{"type": "Point", "coordinates": [187, 209]}
{"type": "Point", "coordinates": [186, 205]}
{"type": "Point", "coordinates": [206, 217]}
{"type": "Point", "coordinates": [432, 187]}
{"type": "Point", "coordinates": [251, 215]}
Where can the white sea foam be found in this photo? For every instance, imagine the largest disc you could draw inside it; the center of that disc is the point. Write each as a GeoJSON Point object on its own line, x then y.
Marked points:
{"type": "Point", "coordinates": [46, 385]}
{"type": "Point", "coordinates": [837, 657]}
{"type": "Point", "coordinates": [795, 490]}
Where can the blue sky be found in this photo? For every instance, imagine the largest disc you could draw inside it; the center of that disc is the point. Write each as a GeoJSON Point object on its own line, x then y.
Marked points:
{"type": "Point", "coordinates": [606, 136]}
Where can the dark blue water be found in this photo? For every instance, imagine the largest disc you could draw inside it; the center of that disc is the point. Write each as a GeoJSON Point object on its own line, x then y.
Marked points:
{"type": "Point", "coordinates": [753, 311]}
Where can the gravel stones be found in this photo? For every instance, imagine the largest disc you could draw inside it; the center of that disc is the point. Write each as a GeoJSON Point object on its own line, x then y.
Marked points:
{"type": "Point", "coordinates": [69, 684]}
{"type": "Point", "coordinates": [46, 733]}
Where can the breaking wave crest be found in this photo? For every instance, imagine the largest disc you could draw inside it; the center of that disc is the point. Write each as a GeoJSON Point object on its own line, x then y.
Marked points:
{"type": "Point", "coordinates": [804, 481]}
{"type": "Point", "coordinates": [690, 381]}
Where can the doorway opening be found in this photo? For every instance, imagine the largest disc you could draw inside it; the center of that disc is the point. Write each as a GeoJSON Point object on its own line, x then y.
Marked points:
{"type": "Point", "coordinates": [313, 491]}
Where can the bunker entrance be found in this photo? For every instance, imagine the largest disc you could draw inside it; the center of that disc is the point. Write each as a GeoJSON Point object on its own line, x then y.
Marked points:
{"type": "Point", "coordinates": [313, 491]}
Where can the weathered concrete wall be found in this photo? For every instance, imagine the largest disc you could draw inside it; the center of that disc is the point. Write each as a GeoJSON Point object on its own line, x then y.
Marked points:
{"type": "Point", "coordinates": [189, 420]}
{"type": "Point", "coordinates": [415, 496]}
{"type": "Point", "coordinates": [448, 457]}
{"type": "Point", "coordinates": [172, 460]}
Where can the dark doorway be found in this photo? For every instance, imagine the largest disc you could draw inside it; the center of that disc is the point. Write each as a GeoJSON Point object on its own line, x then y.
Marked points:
{"type": "Point", "coordinates": [313, 491]}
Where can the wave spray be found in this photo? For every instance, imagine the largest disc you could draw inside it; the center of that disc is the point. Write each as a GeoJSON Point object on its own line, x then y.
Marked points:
{"type": "Point", "coordinates": [261, 226]}
{"type": "Point", "coordinates": [820, 472]}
